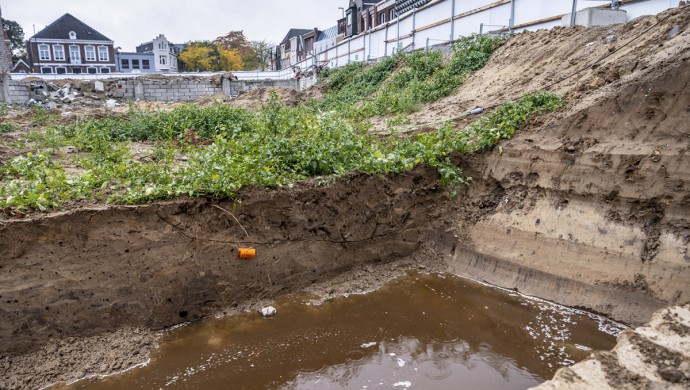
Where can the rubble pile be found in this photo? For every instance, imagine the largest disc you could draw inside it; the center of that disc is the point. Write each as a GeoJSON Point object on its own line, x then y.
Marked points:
{"type": "Point", "coordinates": [53, 96]}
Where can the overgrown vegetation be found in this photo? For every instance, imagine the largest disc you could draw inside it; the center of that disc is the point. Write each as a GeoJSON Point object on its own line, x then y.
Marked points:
{"type": "Point", "coordinates": [272, 147]}
{"type": "Point", "coordinates": [217, 150]}
{"type": "Point", "coordinates": [401, 83]}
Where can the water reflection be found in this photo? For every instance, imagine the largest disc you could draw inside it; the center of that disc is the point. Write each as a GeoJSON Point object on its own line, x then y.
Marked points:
{"type": "Point", "coordinates": [423, 366]}
{"type": "Point", "coordinates": [419, 332]}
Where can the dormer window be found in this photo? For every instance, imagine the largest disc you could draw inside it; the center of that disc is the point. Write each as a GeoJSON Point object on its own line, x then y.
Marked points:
{"type": "Point", "coordinates": [72, 35]}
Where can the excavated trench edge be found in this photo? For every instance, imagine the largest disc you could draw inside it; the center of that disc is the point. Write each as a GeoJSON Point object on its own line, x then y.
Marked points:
{"type": "Point", "coordinates": [153, 267]}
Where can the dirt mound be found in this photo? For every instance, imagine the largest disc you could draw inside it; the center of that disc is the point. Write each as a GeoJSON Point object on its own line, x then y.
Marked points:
{"type": "Point", "coordinates": [531, 61]}
{"type": "Point", "coordinates": [604, 182]}
{"type": "Point", "coordinates": [258, 97]}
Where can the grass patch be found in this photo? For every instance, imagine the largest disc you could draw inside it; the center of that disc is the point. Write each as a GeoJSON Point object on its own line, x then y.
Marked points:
{"type": "Point", "coordinates": [403, 83]}
{"type": "Point", "coordinates": [226, 149]}
{"type": "Point", "coordinates": [271, 148]}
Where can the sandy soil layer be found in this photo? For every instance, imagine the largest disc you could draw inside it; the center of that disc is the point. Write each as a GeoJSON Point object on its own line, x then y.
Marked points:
{"type": "Point", "coordinates": [597, 196]}
{"type": "Point", "coordinates": [656, 356]}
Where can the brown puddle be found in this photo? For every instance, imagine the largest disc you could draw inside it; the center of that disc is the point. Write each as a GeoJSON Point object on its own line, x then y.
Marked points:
{"type": "Point", "coordinates": [419, 332]}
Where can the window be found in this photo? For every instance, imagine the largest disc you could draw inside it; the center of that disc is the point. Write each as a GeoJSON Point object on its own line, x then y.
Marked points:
{"type": "Point", "coordinates": [59, 52]}
{"type": "Point", "coordinates": [383, 18]}
{"type": "Point", "coordinates": [162, 60]}
{"type": "Point", "coordinates": [46, 70]}
{"type": "Point", "coordinates": [90, 53]}
{"type": "Point", "coordinates": [103, 53]}
{"type": "Point", "coordinates": [76, 70]}
{"type": "Point", "coordinates": [92, 70]}
{"type": "Point", "coordinates": [72, 35]}
{"type": "Point", "coordinates": [392, 14]}
{"type": "Point", "coordinates": [74, 55]}
{"type": "Point", "coordinates": [60, 70]}
{"type": "Point", "coordinates": [44, 52]}
{"type": "Point", "coordinates": [124, 64]}
{"type": "Point", "coordinates": [105, 70]}
{"type": "Point", "coordinates": [145, 64]}
{"type": "Point", "coordinates": [135, 64]}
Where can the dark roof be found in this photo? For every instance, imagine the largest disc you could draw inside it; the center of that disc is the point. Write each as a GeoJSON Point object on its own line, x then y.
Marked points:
{"type": "Point", "coordinates": [295, 32]}
{"type": "Point", "coordinates": [407, 5]}
{"type": "Point", "coordinates": [364, 3]}
{"type": "Point", "coordinates": [145, 47]}
{"type": "Point", "coordinates": [20, 63]}
{"type": "Point", "coordinates": [61, 28]}
{"type": "Point", "coordinates": [328, 33]}
{"type": "Point", "coordinates": [132, 53]}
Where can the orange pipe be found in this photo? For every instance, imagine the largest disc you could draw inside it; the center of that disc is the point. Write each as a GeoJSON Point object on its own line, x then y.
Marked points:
{"type": "Point", "coordinates": [246, 253]}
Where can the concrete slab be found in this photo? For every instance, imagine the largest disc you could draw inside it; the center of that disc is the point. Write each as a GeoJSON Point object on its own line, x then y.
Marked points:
{"type": "Point", "coordinates": [590, 17]}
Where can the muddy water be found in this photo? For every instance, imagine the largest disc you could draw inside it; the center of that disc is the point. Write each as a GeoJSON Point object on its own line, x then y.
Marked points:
{"type": "Point", "coordinates": [421, 332]}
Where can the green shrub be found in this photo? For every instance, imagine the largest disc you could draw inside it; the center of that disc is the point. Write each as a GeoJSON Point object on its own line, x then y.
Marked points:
{"type": "Point", "coordinates": [283, 145]}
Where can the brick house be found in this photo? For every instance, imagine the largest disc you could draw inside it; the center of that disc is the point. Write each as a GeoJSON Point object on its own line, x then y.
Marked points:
{"type": "Point", "coordinates": [290, 50]}
{"type": "Point", "coordinates": [21, 67]}
{"type": "Point", "coordinates": [385, 12]}
{"type": "Point", "coordinates": [363, 15]}
{"type": "Point", "coordinates": [69, 46]}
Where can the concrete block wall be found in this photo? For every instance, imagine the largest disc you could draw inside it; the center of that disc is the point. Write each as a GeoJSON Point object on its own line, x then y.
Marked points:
{"type": "Point", "coordinates": [153, 89]}
{"type": "Point", "coordinates": [184, 89]}
{"type": "Point", "coordinates": [167, 89]}
{"type": "Point", "coordinates": [19, 92]}
{"type": "Point", "coordinates": [306, 82]}
{"type": "Point", "coordinates": [234, 87]}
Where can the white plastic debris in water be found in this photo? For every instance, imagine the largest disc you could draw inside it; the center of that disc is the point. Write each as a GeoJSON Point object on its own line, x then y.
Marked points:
{"type": "Point", "coordinates": [405, 384]}
{"type": "Point", "coordinates": [268, 311]}
{"type": "Point", "coordinates": [367, 345]}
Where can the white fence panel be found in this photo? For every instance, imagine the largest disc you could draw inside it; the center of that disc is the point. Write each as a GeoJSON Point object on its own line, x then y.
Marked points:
{"type": "Point", "coordinates": [635, 10]}
{"type": "Point", "coordinates": [433, 14]}
{"type": "Point", "coordinates": [431, 25]}
{"type": "Point", "coordinates": [466, 6]}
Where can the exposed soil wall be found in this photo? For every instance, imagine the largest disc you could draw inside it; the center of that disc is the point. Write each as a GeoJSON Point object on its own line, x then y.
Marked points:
{"type": "Point", "coordinates": [88, 272]}
{"type": "Point", "coordinates": [592, 207]}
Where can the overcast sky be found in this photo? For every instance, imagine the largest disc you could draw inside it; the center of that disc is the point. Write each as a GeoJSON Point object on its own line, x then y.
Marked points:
{"type": "Point", "coordinates": [131, 22]}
